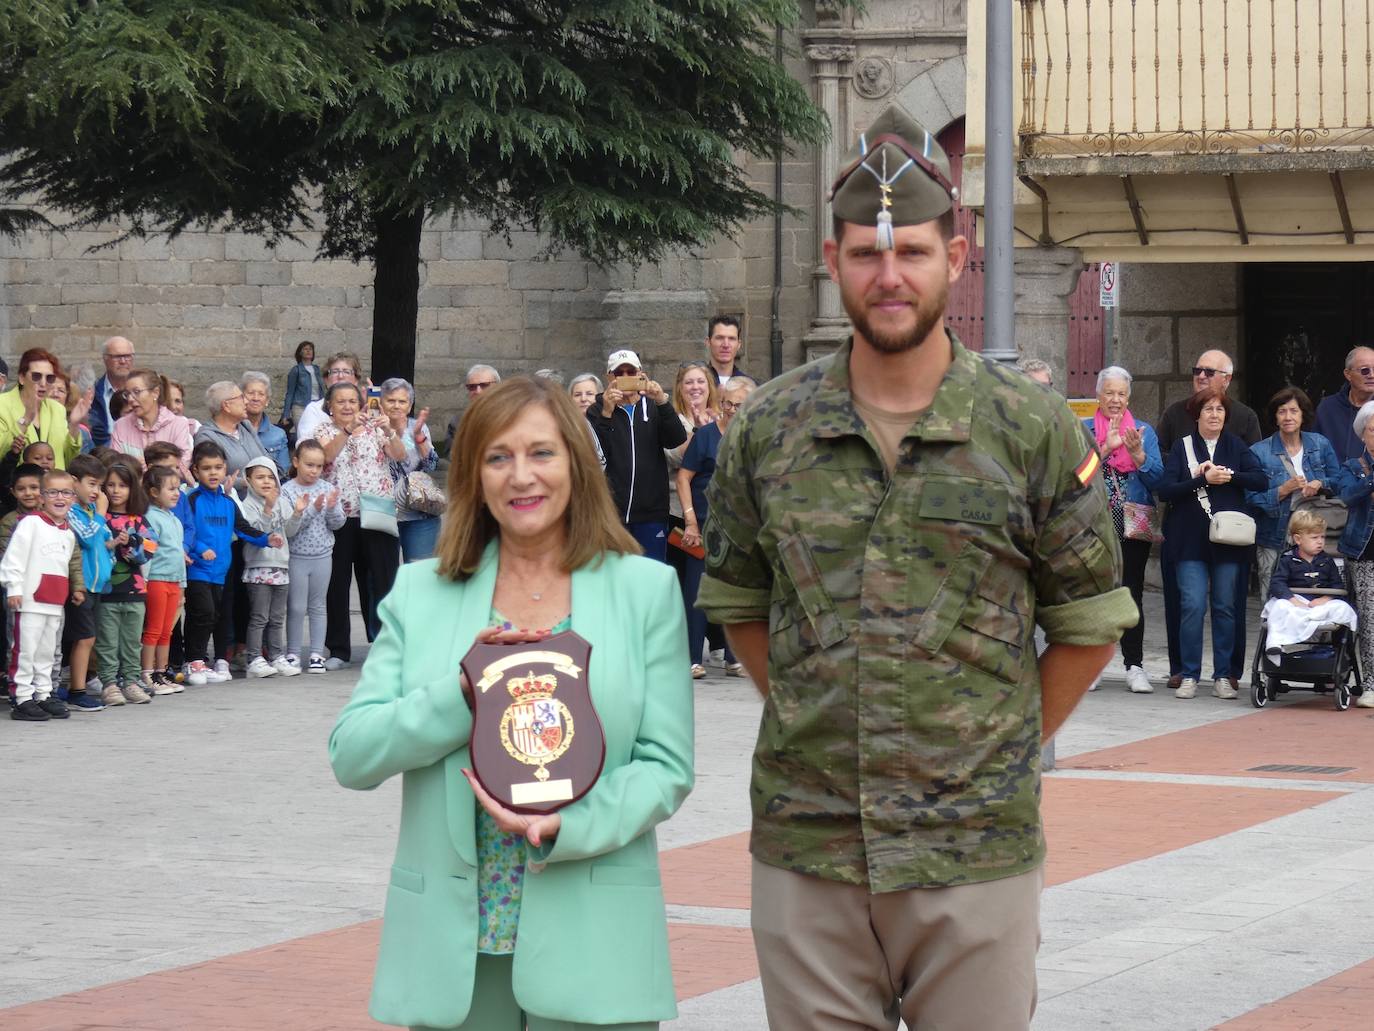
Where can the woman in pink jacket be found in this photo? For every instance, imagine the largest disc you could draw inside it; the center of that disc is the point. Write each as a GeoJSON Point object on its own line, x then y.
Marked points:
{"type": "Point", "coordinates": [145, 420]}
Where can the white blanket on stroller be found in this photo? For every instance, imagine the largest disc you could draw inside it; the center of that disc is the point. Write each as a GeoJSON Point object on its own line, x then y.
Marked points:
{"type": "Point", "coordinates": [1290, 624]}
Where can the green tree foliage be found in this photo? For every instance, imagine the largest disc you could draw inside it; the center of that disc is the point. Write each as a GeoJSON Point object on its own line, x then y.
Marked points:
{"type": "Point", "coordinates": [612, 126]}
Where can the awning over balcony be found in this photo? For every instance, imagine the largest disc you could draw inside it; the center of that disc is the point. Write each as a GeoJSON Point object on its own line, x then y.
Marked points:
{"type": "Point", "coordinates": [1173, 130]}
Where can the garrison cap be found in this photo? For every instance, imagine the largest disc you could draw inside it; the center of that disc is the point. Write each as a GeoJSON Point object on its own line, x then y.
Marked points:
{"type": "Point", "coordinates": [895, 175]}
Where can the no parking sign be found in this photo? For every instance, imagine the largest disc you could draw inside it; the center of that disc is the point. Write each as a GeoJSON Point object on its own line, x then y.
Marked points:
{"type": "Point", "coordinates": [1110, 288]}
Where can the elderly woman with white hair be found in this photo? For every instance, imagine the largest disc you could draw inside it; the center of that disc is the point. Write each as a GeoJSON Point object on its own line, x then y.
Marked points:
{"type": "Point", "coordinates": [1357, 542]}
{"type": "Point", "coordinates": [584, 389]}
{"type": "Point", "coordinates": [228, 426]}
{"type": "Point", "coordinates": [257, 396]}
{"type": "Point", "coordinates": [419, 530]}
{"type": "Point", "coordinates": [1131, 468]}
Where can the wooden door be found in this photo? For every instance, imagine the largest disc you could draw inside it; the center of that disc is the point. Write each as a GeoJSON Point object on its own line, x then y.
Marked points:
{"type": "Point", "coordinates": [964, 311]}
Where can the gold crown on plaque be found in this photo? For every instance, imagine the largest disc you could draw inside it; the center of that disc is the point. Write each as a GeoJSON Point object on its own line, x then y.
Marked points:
{"type": "Point", "coordinates": [531, 688]}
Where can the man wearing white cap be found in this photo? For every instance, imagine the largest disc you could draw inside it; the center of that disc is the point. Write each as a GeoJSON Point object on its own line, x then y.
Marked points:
{"type": "Point", "coordinates": [635, 422]}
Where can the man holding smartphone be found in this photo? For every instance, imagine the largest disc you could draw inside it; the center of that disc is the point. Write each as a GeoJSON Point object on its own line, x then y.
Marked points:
{"type": "Point", "coordinates": [634, 421]}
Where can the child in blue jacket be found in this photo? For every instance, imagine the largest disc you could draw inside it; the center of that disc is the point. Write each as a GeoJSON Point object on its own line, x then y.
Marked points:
{"type": "Point", "coordinates": [211, 520]}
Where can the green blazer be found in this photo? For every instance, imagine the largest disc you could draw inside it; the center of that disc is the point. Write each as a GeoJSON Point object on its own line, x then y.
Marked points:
{"type": "Point", "coordinates": [592, 945]}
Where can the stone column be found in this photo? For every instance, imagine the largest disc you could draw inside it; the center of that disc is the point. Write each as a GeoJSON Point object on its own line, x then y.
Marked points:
{"type": "Point", "coordinates": [829, 68]}
{"type": "Point", "coordinates": [1046, 278]}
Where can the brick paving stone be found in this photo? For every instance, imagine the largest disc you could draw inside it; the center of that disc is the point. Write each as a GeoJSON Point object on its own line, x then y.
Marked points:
{"type": "Point", "coordinates": [1341, 1003]}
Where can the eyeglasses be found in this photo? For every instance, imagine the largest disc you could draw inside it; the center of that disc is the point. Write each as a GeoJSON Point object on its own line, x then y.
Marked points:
{"type": "Point", "coordinates": [336, 373]}
{"type": "Point", "coordinates": [236, 397]}
{"type": "Point", "coordinates": [133, 392]}
{"type": "Point", "coordinates": [59, 493]}
{"type": "Point", "coordinates": [729, 407]}
{"type": "Point", "coordinates": [1366, 370]}
{"type": "Point", "coordinates": [121, 357]}
{"type": "Point", "coordinates": [1202, 370]}
{"type": "Point", "coordinates": [477, 388]}
{"type": "Point", "coordinates": [43, 377]}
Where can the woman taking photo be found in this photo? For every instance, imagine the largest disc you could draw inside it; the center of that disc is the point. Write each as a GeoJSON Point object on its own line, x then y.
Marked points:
{"type": "Point", "coordinates": [1298, 466]}
{"type": "Point", "coordinates": [493, 916]}
{"type": "Point", "coordinates": [419, 530]}
{"type": "Point", "coordinates": [145, 420]}
{"type": "Point", "coordinates": [1357, 540]}
{"type": "Point", "coordinates": [303, 383]}
{"type": "Point", "coordinates": [358, 452]}
{"type": "Point", "coordinates": [698, 466]}
{"type": "Point", "coordinates": [29, 414]}
{"type": "Point", "coordinates": [1131, 468]}
{"type": "Point", "coordinates": [1213, 479]}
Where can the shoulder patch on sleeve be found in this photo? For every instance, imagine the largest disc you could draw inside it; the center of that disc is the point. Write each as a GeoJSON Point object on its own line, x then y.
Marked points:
{"type": "Point", "coordinates": [1087, 468]}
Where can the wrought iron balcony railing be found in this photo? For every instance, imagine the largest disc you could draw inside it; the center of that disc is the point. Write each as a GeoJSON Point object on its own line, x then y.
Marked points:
{"type": "Point", "coordinates": [1113, 78]}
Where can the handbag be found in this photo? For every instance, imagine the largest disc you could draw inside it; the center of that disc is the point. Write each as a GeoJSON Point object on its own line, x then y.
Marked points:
{"type": "Point", "coordinates": [1331, 509]}
{"type": "Point", "coordinates": [418, 492]}
{"type": "Point", "coordinates": [1141, 522]}
{"type": "Point", "coordinates": [1234, 528]}
{"type": "Point", "coordinates": [378, 512]}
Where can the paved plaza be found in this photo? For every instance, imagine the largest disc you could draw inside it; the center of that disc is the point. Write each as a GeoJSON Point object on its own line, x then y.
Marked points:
{"type": "Point", "coordinates": [190, 865]}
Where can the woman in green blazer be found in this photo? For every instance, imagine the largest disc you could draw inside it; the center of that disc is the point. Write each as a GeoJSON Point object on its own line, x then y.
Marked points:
{"type": "Point", "coordinates": [28, 414]}
{"type": "Point", "coordinates": [496, 920]}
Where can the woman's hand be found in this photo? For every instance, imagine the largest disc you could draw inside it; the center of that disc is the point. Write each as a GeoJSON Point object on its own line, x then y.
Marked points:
{"type": "Point", "coordinates": [1114, 439]}
{"type": "Point", "coordinates": [691, 534]}
{"type": "Point", "coordinates": [1291, 484]}
{"type": "Point", "coordinates": [500, 635]}
{"type": "Point", "coordinates": [1215, 474]}
{"type": "Point", "coordinates": [1311, 488]}
{"type": "Point", "coordinates": [419, 434]}
{"type": "Point", "coordinates": [534, 828]}
{"type": "Point", "coordinates": [80, 410]}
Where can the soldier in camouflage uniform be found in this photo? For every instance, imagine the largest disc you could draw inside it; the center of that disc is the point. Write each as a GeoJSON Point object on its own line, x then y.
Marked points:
{"type": "Point", "coordinates": [887, 525]}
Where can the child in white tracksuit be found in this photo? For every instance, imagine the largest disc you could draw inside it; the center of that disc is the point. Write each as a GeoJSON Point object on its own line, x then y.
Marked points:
{"type": "Point", "coordinates": [312, 551]}
{"type": "Point", "coordinates": [266, 570]}
{"type": "Point", "coordinates": [35, 573]}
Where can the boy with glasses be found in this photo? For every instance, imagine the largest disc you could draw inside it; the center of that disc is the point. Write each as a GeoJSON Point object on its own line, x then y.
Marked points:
{"type": "Point", "coordinates": [40, 569]}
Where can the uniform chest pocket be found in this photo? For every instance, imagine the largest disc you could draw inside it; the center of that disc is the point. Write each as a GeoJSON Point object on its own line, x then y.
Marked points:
{"type": "Point", "coordinates": [804, 620]}
{"type": "Point", "coordinates": [979, 615]}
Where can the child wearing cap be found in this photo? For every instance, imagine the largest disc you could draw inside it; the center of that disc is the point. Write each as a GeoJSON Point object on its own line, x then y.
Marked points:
{"type": "Point", "coordinates": [634, 427]}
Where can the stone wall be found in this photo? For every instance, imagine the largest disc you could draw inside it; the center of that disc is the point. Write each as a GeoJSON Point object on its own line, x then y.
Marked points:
{"type": "Point", "coordinates": [1169, 315]}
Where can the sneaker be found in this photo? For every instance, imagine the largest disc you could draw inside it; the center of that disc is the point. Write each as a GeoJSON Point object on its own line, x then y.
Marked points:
{"type": "Point", "coordinates": [239, 663]}
{"type": "Point", "coordinates": [698, 671]}
{"type": "Point", "coordinates": [55, 707]}
{"type": "Point", "coordinates": [735, 669]}
{"type": "Point", "coordinates": [63, 694]}
{"type": "Point", "coordinates": [84, 702]}
{"type": "Point", "coordinates": [1137, 681]}
{"type": "Point", "coordinates": [260, 667]}
{"type": "Point", "coordinates": [1366, 700]}
{"type": "Point", "coordinates": [316, 665]}
{"type": "Point", "coordinates": [1221, 688]}
{"type": "Point", "coordinates": [111, 695]}
{"type": "Point", "coordinates": [1187, 688]}
{"type": "Point", "coordinates": [157, 683]}
{"type": "Point", "coordinates": [222, 672]}
{"type": "Point", "coordinates": [334, 663]}
{"type": "Point", "coordinates": [134, 693]}
{"type": "Point", "coordinates": [1095, 684]}
{"type": "Point", "coordinates": [717, 657]}
{"type": "Point", "coordinates": [174, 676]}
{"type": "Point", "coordinates": [94, 686]}
{"type": "Point", "coordinates": [197, 674]}
{"type": "Point", "coordinates": [30, 712]}
{"type": "Point", "coordinates": [287, 665]}
{"type": "Point", "coordinates": [1174, 681]}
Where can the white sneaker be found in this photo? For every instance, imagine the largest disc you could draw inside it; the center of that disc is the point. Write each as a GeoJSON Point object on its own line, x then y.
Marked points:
{"type": "Point", "coordinates": [221, 672]}
{"type": "Point", "coordinates": [1095, 684]}
{"type": "Point", "coordinates": [287, 665]}
{"type": "Point", "coordinates": [316, 664]}
{"type": "Point", "coordinates": [717, 657]}
{"type": "Point", "coordinates": [1366, 700]}
{"type": "Point", "coordinates": [196, 674]}
{"type": "Point", "coordinates": [260, 667]}
{"type": "Point", "coordinates": [332, 664]}
{"type": "Point", "coordinates": [1187, 689]}
{"type": "Point", "coordinates": [1221, 688]}
{"type": "Point", "coordinates": [1137, 681]}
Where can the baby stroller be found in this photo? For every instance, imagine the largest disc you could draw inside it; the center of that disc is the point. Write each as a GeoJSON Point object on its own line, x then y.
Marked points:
{"type": "Point", "coordinates": [1326, 663]}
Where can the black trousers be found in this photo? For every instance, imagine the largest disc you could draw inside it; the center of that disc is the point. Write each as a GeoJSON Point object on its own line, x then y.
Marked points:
{"type": "Point", "coordinates": [232, 625]}
{"type": "Point", "coordinates": [1134, 556]}
{"type": "Point", "coordinates": [372, 558]}
{"type": "Point", "coordinates": [202, 614]}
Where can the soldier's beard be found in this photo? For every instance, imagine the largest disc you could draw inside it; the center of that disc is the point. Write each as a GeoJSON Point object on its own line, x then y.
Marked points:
{"type": "Point", "coordinates": [929, 313]}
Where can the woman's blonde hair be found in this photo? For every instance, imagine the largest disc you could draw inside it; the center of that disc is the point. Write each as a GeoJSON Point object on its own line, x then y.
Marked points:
{"type": "Point", "coordinates": [712, 394]}
{"type": "Point", "coordinates": [592, 526]}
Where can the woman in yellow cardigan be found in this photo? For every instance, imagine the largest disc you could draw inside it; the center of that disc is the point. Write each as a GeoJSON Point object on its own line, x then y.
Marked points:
{"type": "Point", "coordinates": [28, 414]}
{"type": "Point", "coordinates": [494, 919]}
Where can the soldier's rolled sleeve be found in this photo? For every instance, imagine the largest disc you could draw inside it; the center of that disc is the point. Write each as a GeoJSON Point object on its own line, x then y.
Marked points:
{"type": "Point", "coordinates": [1077, 561]}
{"type": "Point", "coordinates": [737, 587]}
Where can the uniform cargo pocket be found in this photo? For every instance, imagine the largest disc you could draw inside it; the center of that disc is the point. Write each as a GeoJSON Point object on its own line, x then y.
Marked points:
{"type": "Point", "coordinates": [978, 616]}
{"type": "Point", "coordinates": [826, 629]}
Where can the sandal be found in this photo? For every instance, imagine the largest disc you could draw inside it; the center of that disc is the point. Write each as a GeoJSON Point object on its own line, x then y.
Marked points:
{"type": "Point", "coordinates": [698, 671]}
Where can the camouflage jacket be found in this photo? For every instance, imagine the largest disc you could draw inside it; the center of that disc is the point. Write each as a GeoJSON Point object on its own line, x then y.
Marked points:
{"type": "Point", "coordinates": [900, 740]}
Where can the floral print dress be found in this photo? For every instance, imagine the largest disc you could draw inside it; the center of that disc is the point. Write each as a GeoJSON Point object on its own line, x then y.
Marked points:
{"type": "Point", "coordinates": [362, 467]}
{"type": "Point", "coordinates": [500, 866]}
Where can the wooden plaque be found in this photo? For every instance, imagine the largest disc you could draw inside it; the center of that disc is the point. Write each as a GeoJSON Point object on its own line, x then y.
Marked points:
{"type": "Point", "coordinates": [537, 742]}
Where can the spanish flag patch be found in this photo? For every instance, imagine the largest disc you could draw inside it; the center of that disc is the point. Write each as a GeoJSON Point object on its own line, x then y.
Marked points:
{"type": "Point", "coordinates": [1087, 468]}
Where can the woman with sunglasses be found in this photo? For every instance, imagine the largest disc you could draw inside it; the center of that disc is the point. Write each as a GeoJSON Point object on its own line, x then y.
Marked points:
{"type": "Point", "coordinates": [31, 413]}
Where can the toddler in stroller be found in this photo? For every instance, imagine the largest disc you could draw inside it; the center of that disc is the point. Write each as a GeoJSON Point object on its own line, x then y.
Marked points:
{"type": "Point", "coordinates": [1309, 628]}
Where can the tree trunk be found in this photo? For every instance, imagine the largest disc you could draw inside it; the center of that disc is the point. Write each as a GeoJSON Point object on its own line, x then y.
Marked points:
{"type": "Point", "coordinates": [396, 290]}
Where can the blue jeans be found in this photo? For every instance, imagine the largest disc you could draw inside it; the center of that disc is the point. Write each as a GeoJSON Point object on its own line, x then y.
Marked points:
{"type": "Point", "coordinates": [652, 537]}
{"type": "Point", "coordinates": [696, 619]}
{"type": "Point", "coordinates": [1197, 581]}
{"type": "Point", "coordinates": [418, 537]}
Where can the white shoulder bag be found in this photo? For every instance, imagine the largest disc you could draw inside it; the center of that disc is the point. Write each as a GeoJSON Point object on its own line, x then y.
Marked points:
{"type": "Point", "coordinates": [1234, 528]}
